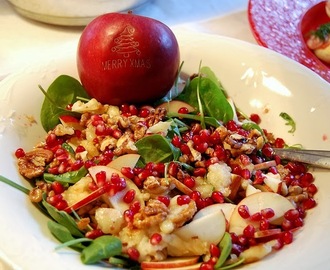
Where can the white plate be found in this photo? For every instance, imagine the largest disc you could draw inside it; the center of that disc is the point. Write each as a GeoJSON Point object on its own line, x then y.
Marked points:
{"type": "Point", "coordinates": [70, 12]}
{"type": "Point", "coordinates": [257, 78]}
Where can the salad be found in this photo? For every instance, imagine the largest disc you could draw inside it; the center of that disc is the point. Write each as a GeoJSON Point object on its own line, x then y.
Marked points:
{"type": "Point", "coordinates": [187, 182]}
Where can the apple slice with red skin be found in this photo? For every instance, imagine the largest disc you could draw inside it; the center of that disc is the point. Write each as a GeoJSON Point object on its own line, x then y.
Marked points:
{"type": "Point", "coordinates": [88, 199]}
{"type": "Point", "coordinates": [267, 233]}
{"type": "Point", "coordinates": [70, 121]}
{"type": "Point", "coordinates": [174, 106]}
{"type": "Point", "coordinates": [188, 267]}
{"type": "Point", "coordinates": [255, 203]}
{"type": "Point", "coordinates": [116, 200]}
{"type": "Point", "coordinates": [171, 263]}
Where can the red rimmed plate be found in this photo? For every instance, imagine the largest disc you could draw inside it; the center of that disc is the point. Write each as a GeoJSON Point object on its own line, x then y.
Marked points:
{"type": "Point", "coordinates": [278, 25]}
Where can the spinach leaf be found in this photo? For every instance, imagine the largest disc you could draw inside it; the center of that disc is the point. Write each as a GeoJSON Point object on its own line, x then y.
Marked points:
{"type": "Point", "coordinates": [156, 148]}
{"type": "Point", "coordinates": [212, 96]}
{"type": "Point", "coordinates": [101, 248]}
{"type": "Point", "coordinates": [68, 177]}
{"type": "Point", "coordinates": [62, 234]}
{"type": "Point", "coordinates": [63, 218]}
{"type": "Point", "coordinates": [63, 91]}
{"type": "Point", "coordinates": [225, 246]}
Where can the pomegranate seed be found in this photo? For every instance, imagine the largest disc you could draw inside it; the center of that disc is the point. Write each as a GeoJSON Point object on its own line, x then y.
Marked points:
{"type": "Point", "coordinates": [173, 169]}
{"type": "Point", "coordinates": [128, 172]}
{"type": "Point", "coordinates": [287, 237]}
{"type": "Point", "coordinates": [218, 197]}
{"type": "Point", "coordinates": [92, 186]}
{"type": "Point", "coordinates": [184, 148]}
{"type": "Point", "coordinates": [57, 187]}
{"type": "Point", "coordinates": [133, 253]}
{"type": "Point", "coordinates": [291, 214]}
{"type": "Point", "coordinates": [77, 165]}
{"type": "Point", "coordinates": [215, 138]}
{"type": "Point", "coordinates": [183, 110]}
{"type": "Point", "coordinates": [128, 216]}
{"type": "Point", "coordinates": [53, 170]}
{"type": "Point", "coordinates": [195, 195]}
{"type": "Point", "coordinates": [183, 199]}
{"type": "Point", "coordinates": [242, 240]}
{"type": "Point", "coordinates": [212, 160]}
{"type": "Point", "coordinates": [156, 238]}
{"type": "Point", "coordinates": [273, 170]}
{"type": "Point", "coordinates": [264, 224]}
{"type": "Point", "coordinates": [88, 164]}
{"type": "Point", "coordinates": [129, 196]}
{"type": "Point", "coordinates": [19, 153]}
{"type": "Point", "coordinates": [245, 173]}
{"type": "Point", "coordinates": [117, 133]}
{"type": "Point", "coordinates": [311, 189]}
{"type": "Point", "coordinates": [101, 177]}
{"type": "Point", "coordinates": [189, 181]}
{"type": "Point", "coordinates": [206, 266]}
{"type": "Point", "coordinates": [135, 207]}
{"type": "Point", "coordinates": [214, 251]}
{"type": "Point", "coordinates": [279, 143]}
{"type": "Point", "coordinates": [306, 179]}
{"type": "Point", "coordinates": [176, 141]}
{"type": "Point", "coordinates": [205, 135]}
{"type": "Point", "coordinates": [298, 222]}
{"type": "Point", "coordinates": [267, 213]}
{"type": "Point", "coordinates": [199, 172]}
{"type": "Point", "coordinates": [133, 110]}
{"type": "Point", "coordinates": [160, 168]}
{"type": "Point", "coordinates": [234, 237]}
{"type": "Point", "coordinates": [255, 118]}
{"type": "Point", "coordinates": [124, 108]}
{"type": "Point", "coordinates": [80, 149]}
{"type": "Point", "coordinates": [231, 125]}
{"type": "Point", "coordinates": [256, 216]}
{"type": "Point", "coordinates": [267, 151]}
{"type": "Point", "coordinates": [144, 112]}
{"type": "Point", "coordinates": [237, 249]}
{"type": "Point", "coordinates": [249, 231]}
{"type": "Point", "coordinates": [61, 205]}
{"type": "Point", "coordinates": [308, 203]}
{"type": "Point", "coordinates": [243, 211]}
{"type": "Point", "coordinates": [93, 234]}
{"type": "Point", "coordinates": [164, 199]}
{"type": "Point", "coordinates": [201, 147]}
{"type": "Point", "coordinates": [286, 225]}
{"type": "Point", "coordinates": [279, 244]}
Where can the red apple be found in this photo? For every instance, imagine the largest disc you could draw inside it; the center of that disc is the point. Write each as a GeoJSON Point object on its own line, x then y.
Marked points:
{"type": "Point", "coordinates": [126, 58]}
{"type": "Point", "coordinates": [170, 263]}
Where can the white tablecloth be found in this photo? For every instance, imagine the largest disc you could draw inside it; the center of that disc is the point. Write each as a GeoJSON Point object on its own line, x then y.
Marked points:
{"type": "Point", "coordinates": [25, 42]}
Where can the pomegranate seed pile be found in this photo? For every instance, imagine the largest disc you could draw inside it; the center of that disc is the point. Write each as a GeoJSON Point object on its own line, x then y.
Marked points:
{"type": "Point", "coordinates": [101, 136]}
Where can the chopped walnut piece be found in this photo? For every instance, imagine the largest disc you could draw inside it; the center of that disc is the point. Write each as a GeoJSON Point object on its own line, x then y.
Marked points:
{"type": "Point", "coordinates": [152, 214]}
{"type": "Point", "coordinates": [33, 164]}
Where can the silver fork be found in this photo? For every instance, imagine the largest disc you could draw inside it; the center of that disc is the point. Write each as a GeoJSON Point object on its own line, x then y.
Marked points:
{"type": "Point", "coordinates": [317, 158]}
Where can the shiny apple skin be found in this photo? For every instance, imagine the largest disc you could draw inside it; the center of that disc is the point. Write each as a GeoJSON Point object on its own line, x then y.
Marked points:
{"type": "Point", "coordinates": [126, 58]}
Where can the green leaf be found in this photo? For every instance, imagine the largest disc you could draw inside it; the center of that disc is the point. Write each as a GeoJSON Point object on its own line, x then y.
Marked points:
{"type": "Point", "coordinates": [62, 92]}
{"type": "Point", "coordinates": [63, 218]}
{"type": "Point", "coordinates": [289, 121]}
{"type": "Point", "coordinates": [14, 185]}
{"type": "Point", "coordinates": [225, 246]}
{"type": "Point", "coordinates": [68, 177]}
{"type": "Point", "coordinates": [212, 95]}
{"type": "Point", "coordinates": [156, 148]}
{"type": "Point", "coordinates": [103, 247]}
{"type": "Point", "coordinates": [63, 234]}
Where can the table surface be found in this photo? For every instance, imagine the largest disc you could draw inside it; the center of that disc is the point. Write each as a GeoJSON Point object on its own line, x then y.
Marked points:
{"type": "Point", "coordinates": [25, 42]}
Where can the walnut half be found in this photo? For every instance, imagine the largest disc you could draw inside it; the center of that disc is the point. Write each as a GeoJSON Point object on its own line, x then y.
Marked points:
{"type": "Point", "coordinates": [33, 164]}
